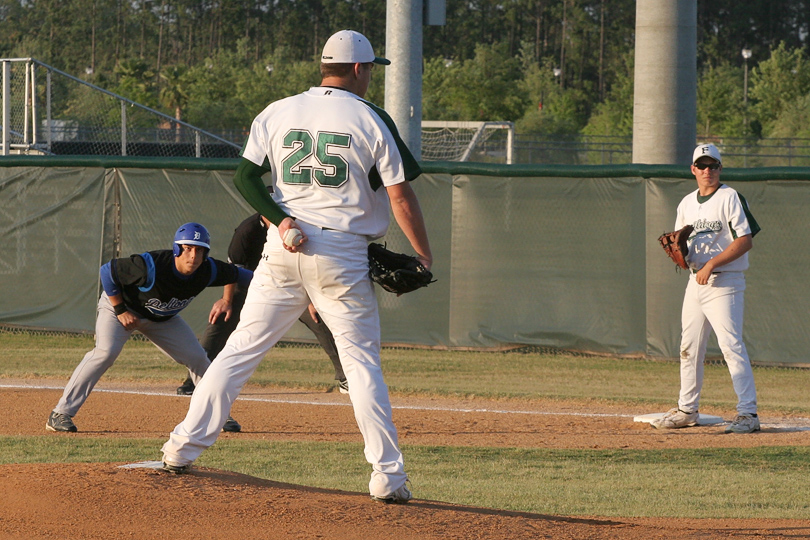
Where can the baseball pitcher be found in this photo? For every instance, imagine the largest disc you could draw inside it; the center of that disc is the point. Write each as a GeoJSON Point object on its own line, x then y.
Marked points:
{"type": "Point", "coordinates": [338, 169]}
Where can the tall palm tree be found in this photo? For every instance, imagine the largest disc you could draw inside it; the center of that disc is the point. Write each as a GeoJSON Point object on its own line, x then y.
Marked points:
{"type": "Point", "coordinates": [173, 94]}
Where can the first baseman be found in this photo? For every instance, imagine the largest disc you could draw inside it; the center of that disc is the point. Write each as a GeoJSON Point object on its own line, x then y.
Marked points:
{"type": "Point", "coordinates": [338, 168]}
{"type": "Point", "coordinates": [718, 257]}
{"type": "Point", "coordinates": [146, 292]}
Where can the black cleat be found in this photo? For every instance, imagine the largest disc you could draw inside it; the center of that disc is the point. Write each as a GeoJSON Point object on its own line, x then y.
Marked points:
{"type": "Point", "coordinates": [187, 388]}
{"type": "Point", "coordinates": [60, 422]}
{"type": "Point", "coordinates": [231, 426]}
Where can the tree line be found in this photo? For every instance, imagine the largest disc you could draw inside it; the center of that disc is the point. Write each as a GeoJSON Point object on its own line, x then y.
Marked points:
{"type": "Point", "coordinates": [552, 66]}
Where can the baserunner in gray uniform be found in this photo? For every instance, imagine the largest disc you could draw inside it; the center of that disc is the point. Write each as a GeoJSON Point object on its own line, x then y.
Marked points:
{"type": "Point", "coordinates": [146, 292]}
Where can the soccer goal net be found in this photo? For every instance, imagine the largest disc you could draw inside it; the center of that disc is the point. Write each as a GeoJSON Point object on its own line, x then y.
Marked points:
{"type": "Point", "coordinates": [467, 141]}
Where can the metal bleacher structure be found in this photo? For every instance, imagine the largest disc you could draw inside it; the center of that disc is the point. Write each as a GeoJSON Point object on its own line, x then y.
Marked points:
{"type": "Point", "coordinates": [49, 112]}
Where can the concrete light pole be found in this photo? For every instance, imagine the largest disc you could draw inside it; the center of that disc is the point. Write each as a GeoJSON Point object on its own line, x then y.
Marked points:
{"type": "Point", "coordinates": [665, 95]}
{"type": "Point", "coordinates": [403, 78]}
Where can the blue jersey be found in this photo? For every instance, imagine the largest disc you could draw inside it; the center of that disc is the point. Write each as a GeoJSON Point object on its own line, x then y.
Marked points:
{"type": "Point", "coordinates": [152, 287]}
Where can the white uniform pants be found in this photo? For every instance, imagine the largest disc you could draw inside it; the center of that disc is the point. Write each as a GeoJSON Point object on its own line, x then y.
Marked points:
{"type": "Point", "coordinates": [174, 337]}
{"type": "Point", "coordinates": [332, 272]}
{"type": "Point", "coordinates": [717, 306]}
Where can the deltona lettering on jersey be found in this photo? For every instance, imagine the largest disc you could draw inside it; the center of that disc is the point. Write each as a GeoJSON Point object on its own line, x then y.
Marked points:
{"type": "Point", "coordinates": [167, 309]}
{"type": "Point", "coordinates": [703, 225]}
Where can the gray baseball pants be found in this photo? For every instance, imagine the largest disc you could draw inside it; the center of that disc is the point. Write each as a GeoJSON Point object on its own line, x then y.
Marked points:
{"type": "Point", "coordinates": [174, 337]}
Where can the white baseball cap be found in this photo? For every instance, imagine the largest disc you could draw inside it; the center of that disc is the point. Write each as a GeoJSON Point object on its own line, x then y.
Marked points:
{"type": "Point", "coordinates": [349, 47]}
{"type": "Point", "coordinates": [707, 150]}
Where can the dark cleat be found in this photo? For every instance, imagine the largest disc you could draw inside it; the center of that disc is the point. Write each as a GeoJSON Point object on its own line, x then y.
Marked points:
{"type": "Point", "coordinates": [231, 426]}
{"type": "Point", "coordinates": [60, 422]}
{"type": "Point", "coordinates": [187, 388]}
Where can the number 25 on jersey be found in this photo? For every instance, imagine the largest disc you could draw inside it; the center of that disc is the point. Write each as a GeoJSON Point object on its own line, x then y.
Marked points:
{"type": "Point", "coordinates": [330, 169]}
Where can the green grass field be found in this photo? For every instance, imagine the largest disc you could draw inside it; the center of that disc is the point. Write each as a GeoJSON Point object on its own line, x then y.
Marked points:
{"type": "Point", "coordinates": [767, 482]}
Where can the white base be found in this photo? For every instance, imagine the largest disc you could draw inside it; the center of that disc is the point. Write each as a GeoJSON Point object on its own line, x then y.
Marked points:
{"type": "Point", "coordinates": [703, 419]}
{"type": "Point", "coordinates": [143, 465]}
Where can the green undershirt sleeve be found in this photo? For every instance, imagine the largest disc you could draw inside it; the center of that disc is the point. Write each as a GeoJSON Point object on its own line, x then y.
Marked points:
{"type": "Point", "coordinates": [411, 166]}
{"type": "Point", "coordinates": [248, 180]}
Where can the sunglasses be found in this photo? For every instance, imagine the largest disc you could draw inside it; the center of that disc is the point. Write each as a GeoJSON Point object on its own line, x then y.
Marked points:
{"type": "Point", "coordinates": [711, 166]}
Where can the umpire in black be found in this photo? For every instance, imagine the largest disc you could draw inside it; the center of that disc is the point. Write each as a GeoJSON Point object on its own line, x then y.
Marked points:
{"type": "Point", "coordinates": [245, 251]}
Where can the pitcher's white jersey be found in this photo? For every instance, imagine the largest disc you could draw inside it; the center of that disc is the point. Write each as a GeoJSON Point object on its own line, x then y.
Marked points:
{"type": "Point", "coordinates": [718, 219]}
{"type": "Point", "coordinates": [316, 152]}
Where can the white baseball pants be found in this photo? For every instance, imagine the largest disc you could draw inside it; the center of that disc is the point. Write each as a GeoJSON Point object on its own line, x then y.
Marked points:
{"type": "Point", "coordinates": [332, 272]}
{"type": "Point", "coordinates": [717, 306]}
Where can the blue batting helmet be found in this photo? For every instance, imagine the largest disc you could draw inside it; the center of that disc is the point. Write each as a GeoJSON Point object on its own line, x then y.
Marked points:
{"type": "Point", "coordinates": [191, 234]}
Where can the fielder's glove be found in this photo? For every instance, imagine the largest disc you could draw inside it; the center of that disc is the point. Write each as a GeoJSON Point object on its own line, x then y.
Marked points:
{"type": "Point", "coordinates": [674, 244]}
{"type": "Point", "coordinates": [396, 272]}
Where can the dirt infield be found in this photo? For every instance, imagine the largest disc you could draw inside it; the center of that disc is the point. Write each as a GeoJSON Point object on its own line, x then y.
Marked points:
{"type": "Point", "coordinates": [102, 501]}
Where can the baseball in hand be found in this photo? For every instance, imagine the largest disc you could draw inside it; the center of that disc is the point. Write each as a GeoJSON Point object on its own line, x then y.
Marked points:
{"type": "Point", "coordinates": [293, 237]}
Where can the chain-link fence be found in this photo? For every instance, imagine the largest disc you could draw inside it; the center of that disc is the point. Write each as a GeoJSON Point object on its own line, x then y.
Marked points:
{"type": "Point", "coordinates": [607, 150]}
{"type": "Point", "coordinates": [47, 111]}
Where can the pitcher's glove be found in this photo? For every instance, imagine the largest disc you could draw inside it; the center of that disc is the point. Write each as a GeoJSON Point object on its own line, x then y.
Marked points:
{"type": "Point", "coordinates": [396, 272]}
{"type": "Point", "coordinates": [674, 244]}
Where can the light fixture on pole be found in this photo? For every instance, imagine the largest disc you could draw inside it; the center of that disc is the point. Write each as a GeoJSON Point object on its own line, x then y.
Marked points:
{"type": "Point", "coordinates": [746, 54]}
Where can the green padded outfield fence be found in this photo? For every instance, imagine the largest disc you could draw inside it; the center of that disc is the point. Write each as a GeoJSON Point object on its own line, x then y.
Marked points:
{"type": "Point", "coordinates": [550, 256]}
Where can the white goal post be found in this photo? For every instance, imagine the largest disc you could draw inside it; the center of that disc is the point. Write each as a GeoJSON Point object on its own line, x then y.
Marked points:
{"type": "Point", "coordinates": [448, 140]}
